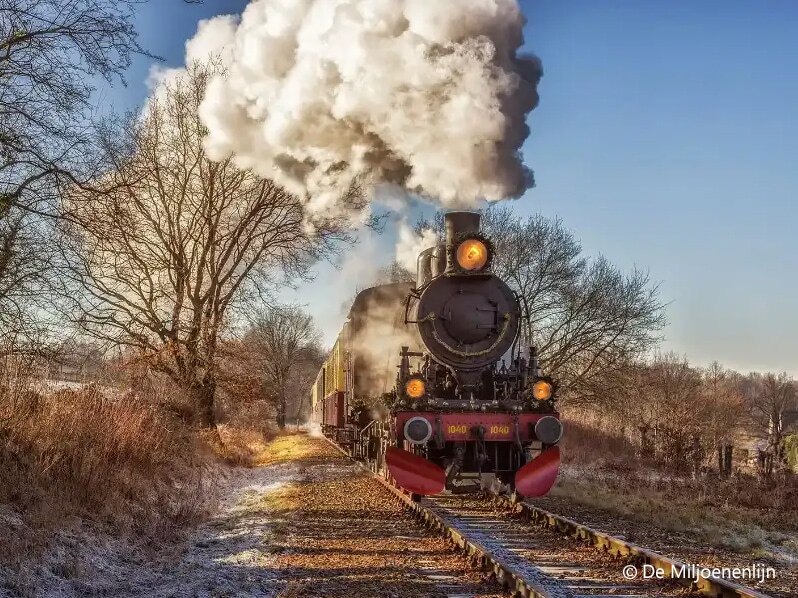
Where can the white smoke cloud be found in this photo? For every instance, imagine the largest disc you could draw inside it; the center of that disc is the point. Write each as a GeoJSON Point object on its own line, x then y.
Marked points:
{"type": "Point", "coordinates": [409, 244]}
{"type": "Point", "coordinates": [215, 39]}
{"type": "Point", "coordinates": [426, 95]}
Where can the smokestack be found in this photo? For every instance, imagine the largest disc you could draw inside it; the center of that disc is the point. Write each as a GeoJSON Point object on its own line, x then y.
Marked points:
{"type": "Point", "coordinates": [458, 223]}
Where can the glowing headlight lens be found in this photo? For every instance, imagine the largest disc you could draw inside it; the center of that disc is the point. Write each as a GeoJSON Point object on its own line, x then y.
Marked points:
{"type": "Point", "coordinates": [542, 390]}
{"type": "Point", "coordinates": [472, 255]}
{"type": "Point", "coordinates": [415, 388]}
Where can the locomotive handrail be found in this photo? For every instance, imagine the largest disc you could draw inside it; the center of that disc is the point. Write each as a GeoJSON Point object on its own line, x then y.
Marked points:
{"type": "Point", "coordinates": [367, 428]}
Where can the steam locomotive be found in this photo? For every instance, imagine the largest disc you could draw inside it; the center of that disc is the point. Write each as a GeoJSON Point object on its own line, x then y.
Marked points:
{"type": "Point", "coordinates": [468, 405]}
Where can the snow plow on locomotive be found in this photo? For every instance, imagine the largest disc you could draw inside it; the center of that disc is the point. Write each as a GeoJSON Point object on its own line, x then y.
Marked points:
{"type": "Point", "coordinates": [468, 402]}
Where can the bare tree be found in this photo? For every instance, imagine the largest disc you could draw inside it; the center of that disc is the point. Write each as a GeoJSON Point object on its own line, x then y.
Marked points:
{"type": "Point", "coordinates": [24, 260]}
{"type": "Point", "coordinates": [171, 241]}
{"type": "Point", "coordinates": [50, 53]}
{"type": "Point", "coordinates": [724, 412]}
{"type": "Point", "coordinates": [682, 413]}
{"type": "Point", "coordinates": [630, 406]}
{"type": "Point", "coordinates": [675, 402]}
{"type": "Point", "coordinates": [393, 273]}
{"type": "Point", "coordinates": [586, 317]}
{"type": "Point", "coordinates": [770, 398]}
{"type": "Point", "coordinates": [286, 339]}
{"type": "Point", "coordinates": [307, 368]}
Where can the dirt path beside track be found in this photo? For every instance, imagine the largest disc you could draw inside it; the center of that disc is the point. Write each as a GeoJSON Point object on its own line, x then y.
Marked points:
{"type": "Point", "coordinates": [308, 522]}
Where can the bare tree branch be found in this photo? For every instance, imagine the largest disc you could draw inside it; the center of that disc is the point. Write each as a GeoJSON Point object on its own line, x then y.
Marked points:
{"type": "Point", "coordinates": [50, 52]}
{"type": "Point", "coordinates": [167, 242]}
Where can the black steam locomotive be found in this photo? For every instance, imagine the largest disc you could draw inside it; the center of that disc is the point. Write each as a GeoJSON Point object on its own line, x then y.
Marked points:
{"type": "Point", "coordinates": [466, 403]}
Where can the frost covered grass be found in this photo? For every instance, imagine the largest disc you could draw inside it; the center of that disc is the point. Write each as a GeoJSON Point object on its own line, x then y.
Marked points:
{"type": "Point", "coordinates": [742, 513]}
{"type": "Point", "coordinates": [75, 458]}
{"type": "Point", "coordinates": [96, 479]}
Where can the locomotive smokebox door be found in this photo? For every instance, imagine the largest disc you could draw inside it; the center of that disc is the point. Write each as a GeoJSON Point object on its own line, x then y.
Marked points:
{"type": "Point", "coordinates": [467, 318]}
{"type": "Point", "coordinates": [470, 317]}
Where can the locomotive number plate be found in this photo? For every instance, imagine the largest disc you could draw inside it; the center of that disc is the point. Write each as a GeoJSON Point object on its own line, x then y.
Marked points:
{"type": "Point", "coordinates": [454, 429]}
{"type": "Point", "coordinates": [498, 430]}
{"type": "Point", "coordinates": [493, 431]}
{"type": "Point", "coordinates": [457, 427]}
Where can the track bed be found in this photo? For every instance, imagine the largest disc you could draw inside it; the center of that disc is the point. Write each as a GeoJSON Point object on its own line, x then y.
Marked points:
{"type": "Point", "coordinates": [341, 533]}
{"type": "Point", "coordinates": [557, 565]}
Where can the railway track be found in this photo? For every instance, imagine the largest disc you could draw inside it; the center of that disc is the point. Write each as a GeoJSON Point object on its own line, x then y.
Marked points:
{"type": "Point", "coordinates": [537, 554]}
{"type": "Point", "coordinates": [541, 547]}
{"type": "Point", "coordinates": [618, 547]}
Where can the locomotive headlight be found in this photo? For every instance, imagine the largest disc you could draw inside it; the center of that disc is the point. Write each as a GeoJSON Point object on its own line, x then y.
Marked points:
{"type": "Point", "coordinates": [548, 430]}
{"type": "Point", "coordinates": [415, 388]}
{"type": "Point", "coordinates": [472, 255]}
{"type": "Point", "coordinates": [418, 430]}
{"type": "Point", "coordinates": [542, 390]}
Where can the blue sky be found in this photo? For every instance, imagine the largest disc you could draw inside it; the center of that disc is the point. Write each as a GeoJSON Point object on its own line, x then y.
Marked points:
{"type": "Point", "coordinates": [667, 138]}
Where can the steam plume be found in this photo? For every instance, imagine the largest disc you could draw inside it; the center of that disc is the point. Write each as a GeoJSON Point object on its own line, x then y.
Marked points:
{"type": "Point", "coordinates": [380, 337]}
{"type": "Point", "coordinates": [409, 244]}
{"type": "Point", "coordinates": [320, 95]}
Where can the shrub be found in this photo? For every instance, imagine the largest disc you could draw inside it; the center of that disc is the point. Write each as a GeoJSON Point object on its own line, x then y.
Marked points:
{"type": "Point", "coordinates": [118, 461]}
{"type": "Point", "coordinates": [791, 448]}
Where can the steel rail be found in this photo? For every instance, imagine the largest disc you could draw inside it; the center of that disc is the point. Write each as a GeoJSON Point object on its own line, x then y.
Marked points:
{"type": "Point", "coordinates": [521, 586]}
{"type": "Point", "coordinates": [479, 556]}
{"type": "Point", "coordinates": [712, 586]}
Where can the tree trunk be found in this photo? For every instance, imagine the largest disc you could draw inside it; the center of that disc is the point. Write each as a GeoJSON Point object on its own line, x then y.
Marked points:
{"type": "Point", "coordinates": [646, 446]}
{"type": "Point", "coordinates": [204, 394]}
{"type": "Point", "coordinates": [299, 408]}
{"type": "Point", "coordinates": [728, 458]}
{"type": "Point", "coordinates": [281, 406]}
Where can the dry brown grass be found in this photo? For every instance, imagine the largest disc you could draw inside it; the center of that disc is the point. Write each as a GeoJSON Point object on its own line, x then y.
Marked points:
{"type": "Point", "coordinates": [240, 446]}
{"type": "Point", "coordinates": [606, 474]}
{"type": "Point", "coordinates": [119, 463]}
{"type": "Point", "coordinates": [107, 465]}
{"type": "Point", "coordinates": [702, 512]}
{"type": "Point", "coordinates": [589, 441]}
{"type": "Point", "coordinates": [293, 447]}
